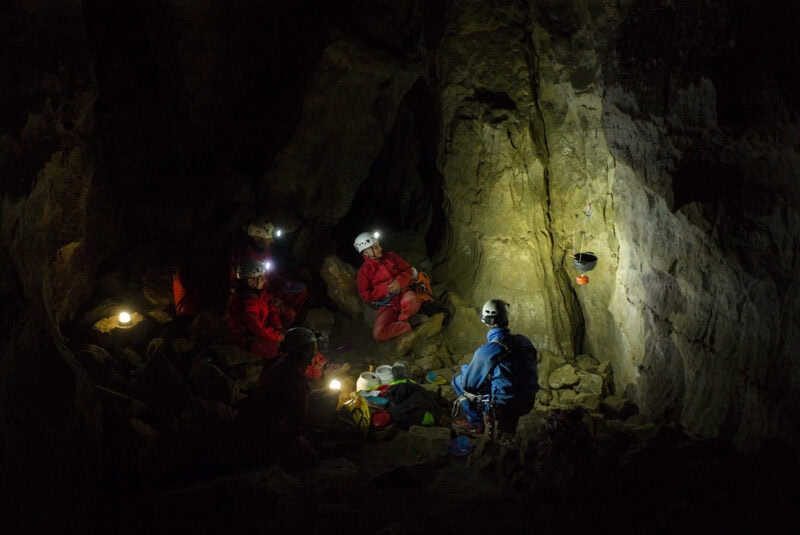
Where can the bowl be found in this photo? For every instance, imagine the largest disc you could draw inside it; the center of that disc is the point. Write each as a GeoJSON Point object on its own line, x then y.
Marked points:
{"type": "Point", "coordinates": [584, 261]}
{"type": "Point", "coordinates": [384, 373]}
{"type": "Point", "coordinates": [380, 419]}
{"type": "Point", "coordinates": [399, 370]}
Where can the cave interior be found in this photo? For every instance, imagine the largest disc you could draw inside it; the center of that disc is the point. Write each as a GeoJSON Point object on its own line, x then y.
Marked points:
{"type": "Point", "coordinates": [489, 142]}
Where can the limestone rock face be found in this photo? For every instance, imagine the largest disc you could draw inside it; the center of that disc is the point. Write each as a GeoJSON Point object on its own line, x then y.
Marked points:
{"type": "Point", "coordinates": [47, 261]}
{"type": "Point", "coordinates": [555, 142]}
{"type": "Point", "coordinates": [493, 157]}
{"type": "Point", "coordinates": [340, 280]}
{"type": "Point", "coordinates": [651, 169]}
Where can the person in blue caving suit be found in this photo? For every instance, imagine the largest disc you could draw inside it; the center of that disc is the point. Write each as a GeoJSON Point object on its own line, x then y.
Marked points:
{"type": "Point", "coordinates": [500, 383]}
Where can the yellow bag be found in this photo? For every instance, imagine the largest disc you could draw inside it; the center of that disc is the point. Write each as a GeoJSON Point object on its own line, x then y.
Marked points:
{"type": "Point", "coordinates": [359, 412]}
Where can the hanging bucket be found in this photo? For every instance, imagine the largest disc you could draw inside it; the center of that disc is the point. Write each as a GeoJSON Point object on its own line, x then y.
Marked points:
{"type": "Point", "coordinates": [584, 261]}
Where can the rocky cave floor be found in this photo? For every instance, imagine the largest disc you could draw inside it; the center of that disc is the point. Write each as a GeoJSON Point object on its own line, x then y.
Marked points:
{"type": "Point", "coordinates": [167, 389]}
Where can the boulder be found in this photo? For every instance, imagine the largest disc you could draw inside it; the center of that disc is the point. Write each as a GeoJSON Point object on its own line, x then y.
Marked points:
{"type": "Point", "coordinates": [563, 376]}
{"type": "Point", "coordinates": [340, 279]}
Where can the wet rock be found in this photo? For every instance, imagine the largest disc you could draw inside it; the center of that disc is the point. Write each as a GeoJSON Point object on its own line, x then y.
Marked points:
{"type": "Point", "coordinates": [340, 279]}
{"type": "Point", "coordinates": [405, 449]}
{"type": "Point", "coordinates": [563, 376]}
{"type": "Point", "coordinates": [544, 397]}
{"type": "Point", "coordinates": [103, 369]}
{"type": "Point", "coordinates": [466, 358]}
{"type": "Point", "coordinates": [160, 316]}
{"type": "Point", "coordinates": [465, 332]}
{"type": "Point", "coordinates": [588, 401]}
{"type": "Point", "coordinates": [587, 363]}
{"type": "Point", "coordinates": [228, 356]}
{"type": "Point", "coordinates": [404, 343]}
{"type": "Point", "coordinates": [447, 392]}
{"type": "Point", "coordinates": [331, 477]}
{"type": "Point", "coordinates": [547, 363]}
{"type": "Point", "coordinates": [565, 398]}
{"type": "Point", "coordinates": [118, 405]}
{"type": "Point", "coordinates": [590, 383]}
{"type": "Point", "coordinates": [184, 346]}
{"type": "Point", "coordinates": [427, 363]}
{"type": "Point", "coordinates": [157, 285]}
{"type": "Point", "coordinates": [618, 408]}
{"type": "Point", "coordinates": [320, 320]}
{"type": "Point", "coordinates": [212, 383]}
{"type": "Point", "coordinates": [134, 359]}
{"type": "Point", "coordinates": [162, 389]}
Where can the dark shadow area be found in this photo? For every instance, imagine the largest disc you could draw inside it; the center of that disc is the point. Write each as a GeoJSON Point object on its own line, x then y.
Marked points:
{"type": "Point", "coordinates": [705, 182]}
{"type": "Point", "coordinates": [759, 64]}
{"type": "Point", "coordinates": [404, 187]}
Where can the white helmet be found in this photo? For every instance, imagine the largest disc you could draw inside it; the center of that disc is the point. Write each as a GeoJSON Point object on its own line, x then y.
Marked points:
{"type": "Point", "coordinates": [261, 228]}
{"type": "Point", "coordinates": [364, 241]}
{"type": "Point", "coordinates": [495, 313]}
{"type": "Point", "coordinates": [249, 268]}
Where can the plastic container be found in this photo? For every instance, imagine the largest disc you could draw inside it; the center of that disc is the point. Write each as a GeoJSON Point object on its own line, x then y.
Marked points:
{"type": "Point", "coordinates": [367, 381]}
{"type": "Point", "coordinates": [323, 342]}
{"type": "Point", "coordinates": [384, 373]}
{"type": "Point", "coordinates": [399, 370]}
{"type": "Point", "coordinates": [434, 378]}
{"type": "Point", "coordinates": [380, 419]}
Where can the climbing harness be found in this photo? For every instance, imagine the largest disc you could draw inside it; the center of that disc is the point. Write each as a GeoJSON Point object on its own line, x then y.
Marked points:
{"type": "Point", "coordinates": [484, 400]}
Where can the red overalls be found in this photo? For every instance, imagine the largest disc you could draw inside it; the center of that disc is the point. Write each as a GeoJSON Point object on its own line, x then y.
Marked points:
{"type": "Point", "coordinates": [292, 295]}
{"type": "Point", "coordinates": [255, 322]}
{"type": "Point", "coordinates": [374, 277]}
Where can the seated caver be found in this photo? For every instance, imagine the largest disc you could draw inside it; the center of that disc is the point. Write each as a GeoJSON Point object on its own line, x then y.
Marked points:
{"type": "Point", "coordinates": [384, 280]}
{"type": "Point", "coordinates": [256, 242]}
{"type": "Point", "coordinates": [500, 383]}
{"type": "Point", "coordinates": [274, 417]}
{"type": "Point", "coordinates": [252, 314]}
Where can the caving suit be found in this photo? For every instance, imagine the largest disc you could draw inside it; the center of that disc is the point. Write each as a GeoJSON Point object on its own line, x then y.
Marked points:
{"type": "Point", "coordinates": [504, 367]}
{"type": "Point", "coordinates": [292, 295]}
{"type": "Point", "coordinates": [255, 322]}
{"type": "Point", "coordinates": [394, 310]}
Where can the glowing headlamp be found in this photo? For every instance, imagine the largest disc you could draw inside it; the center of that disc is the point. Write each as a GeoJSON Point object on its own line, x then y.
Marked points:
{"type": "Point", "coordinates": [376, 234]}
{"type": "Point", "coordinates": [278, 233]}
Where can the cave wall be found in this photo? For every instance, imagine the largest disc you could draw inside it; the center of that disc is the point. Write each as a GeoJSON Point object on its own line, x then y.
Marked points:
{"type": "Point", "coordinates": [493, 156]}
{"type": "Point", "coordinates": [684, 311]}
{"type": "Point", "coordinates": [48, 411]}
{"type": "Point", "coordinates": [572, 126]}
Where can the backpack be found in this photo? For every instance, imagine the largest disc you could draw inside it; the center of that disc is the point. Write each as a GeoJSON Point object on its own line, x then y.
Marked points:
{"type": "Point", "coordinates": [408, 404]}
{"type": "Point", "coordinates": [422, 286]}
